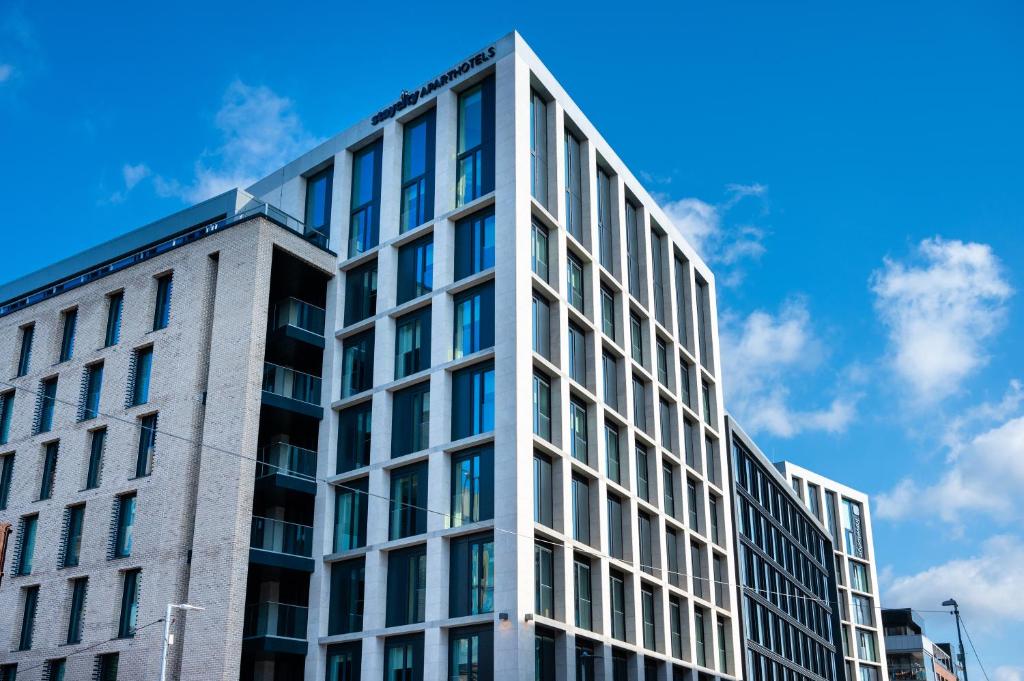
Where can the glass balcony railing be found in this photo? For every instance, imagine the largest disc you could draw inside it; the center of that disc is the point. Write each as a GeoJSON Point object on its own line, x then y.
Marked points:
{"type": "Point", "coordinates": [285, 459]}
{"type": "Point", "coordinates": [298, 313]}
{"type": "Point", "coordinates": [290, 383]}
{"type": "Point", "coordinates": [907, 672]}
{"type": "Point", "coordinates": [276, 619]}
{"type": "Point", "coordinates": [279, 536]}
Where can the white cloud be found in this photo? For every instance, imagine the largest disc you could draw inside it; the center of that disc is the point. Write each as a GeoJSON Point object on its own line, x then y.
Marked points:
{"type": "Point", "coordinates": [989, 586]}
{"type": "Point", "coordinates": [259, 131]}
{"type": "Point", "coordinates": [939, 311]}
{"type": "Point", "coordinates": [760, 353]}
{"type": "Point", "coordinates": [986, 477]}
{"type": "Point", "coordinates": [697, 220]}
{"type": "Point", "coordinates": [1008, 673]}
{"type": "Point", "coordinates": [133, 174]}
{"type": "Point", "coordinates": [6, 71]}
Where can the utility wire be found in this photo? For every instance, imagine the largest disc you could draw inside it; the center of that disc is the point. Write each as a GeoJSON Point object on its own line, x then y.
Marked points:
{"type": "Point", "coordinates": [89, 647]}
{"type": "Point", "coordinates": [975, 650]}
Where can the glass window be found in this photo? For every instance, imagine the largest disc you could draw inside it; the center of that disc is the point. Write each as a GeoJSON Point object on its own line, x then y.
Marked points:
{"type": "Point", "coordinates": [853, 528]}
{"type": "Point", "coordinates": [657, 274]}
{"type": "Point", "coordinates": [542, 490]}
{"type": "Point", "coordinates": [415, 269]}
{"type": "Point", "coordinates": [699, 635]}
{"type": "Point", "coordinates": [723, 657]}
{"type": "Point", "coordinates": [541, 406]}
{"type": "Point", "coordinates": [617, 589]}
{"type": "Point", "coordinates": [357, 363]}
{"type": "Point", "coordinates": [580, 509]}
{"type": "Point", "coordinates": [538, 148]}
{"type": "Point", "coordinates": [141, 375]}
{"type": "Point", "coordinates": [632, 250]}
{"type": "Point", "coordinates": [604, 220]}
{"type": "Point", "coordinates": [475, 160]}
{"type": "Point", "coordinates": [74, 521]}
{"type": "Point", "coordinates": [344, 661]}
{"type": "Point", "coordinates": [697, 573]}
{"type": "Point", "coordinates": [639, 404]}
{"type": "Point", "coordinates": [128, 621]}
{"type": "Point", "coordinates": [364, 219]}
{"type": "Point", "coordinates": [27, 543]}
{"type": "Point", "coordinates": [539, 250]}
{"type": "Point", "coordinates": [862, 610]}
{"type": "Point", "coordinates": [6, 412]}
{"type": "Point", "coordinates": [676, 627]}
{"type": "Point", "coordinates": [412, 343]}
{"type": "Point", "coordinates": [407, 586]}
{"type": "Point", "coordinates": [28, 616]}
{"type": "Point", "coordinates": [682, 298]}
{"type": "Point", "coordinates": [361, 292]}
{"type": "Point", "coordinates": [124, 525]}
{"type": "Point", "coordinates": [417, 171]}
{"type": "Point", "coordinates": [672, 558]}
{"type": "Point", "coordinates": [408, 501]}
{"type": "Point", "coordinates": [859, 577]}
{"type": "Point", "coordinates": [49, 470]}
{"type": "Point", "coordinates": [162, 308]}
{"type": "Point", "coordinates": [713, 517]}
{"type": "Point", "coordinates": [25, 354]}
{"type": "Point", "coordinates": [636, 339]}
{"type": "Point", "coordinates": [6, 475]}
{"type": "Point", "coordinates": [690, 432]}
{"type": "Point", "coordinates": [474, 244]}
{"type": "Point", "coordinates": [691, 499]}
{"type": "Point", "coordinates": [541, 327]}
{"type": "Point", "coordinates": [866, 647]}
{"type": "Point", "coordinates": [544, 578]}
{"type": "Point", "coordinates": [669, 491]}
{"type": "Point", "coordinates": [319, 188]}
{"type": "Point", "coordinates": [706, 398]}
{"type": "Point", "coordinates": [79, 586]}
{"type": "Point", "coordinates": [645, 530]}
{"type": "Point", "coordinates": [348, 585]}
{"type": "Point", "coordinates": [577, 354]}
{"type": "Point", "coordinates": [611, 448]}
{"type": "Point", "coordinates": [582, 593]}
{"type": "Point", "coordinates": [608, 314]}
{"type": "Point", "coordinates": [147, 445]}
{"type": "Point", "coordinates": [91, 392]}
{"type": "Point", "coordinates": [573, 187]}
{"type": "Point", "coordinates": [472, 486]}
{"type": "Point", "coordinates": [575, 289]}
{"type": "Point", "coordinates": [684, 383]}
{"type": "Point", "coordinates": [704, 325]}
{"type": "Point", "coordinates": [106, 667]}
{"type": "Point", "coordinates": [47, 402]}
{"type": "Point", "coordinates": [350, 503]}
{"type": "Point", "coordinates": [470, 654]}
{"type": "Point", "coordinates": [473, 400]}
{"type": "Point", "coordinates": [665, 423]}
{"type": "Point", "coordinates": [662, 353]}
{"type": "Point", "coordinates": [642, 486]}
{"type": "Point", "coordinates": [615, 527]}
{"type": "Point", "coordinates": [610, 371]}
{"type": "Point", "coordinates": [474, 320]}
{"type": "Point", "coordinates": [354, 425]}
{"type": "Point", "coordinates": [67, 341]}
{"type": "Point", "coordinates": [647, 612]}
{"type": "Point", "coordinates": [115, 303]}
{"type": "Point", "coordinates": [578, 426]}
{"type": "Point", "coordinates": [471, 587]}
{"type": "Point", "coordinates": [718, 574]}
{"type": "Point", "coordinates": [403, 658]}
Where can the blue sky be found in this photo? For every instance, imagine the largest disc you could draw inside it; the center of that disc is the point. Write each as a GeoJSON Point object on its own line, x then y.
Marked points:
{"type": "Point", "coordinates": [852, 172]}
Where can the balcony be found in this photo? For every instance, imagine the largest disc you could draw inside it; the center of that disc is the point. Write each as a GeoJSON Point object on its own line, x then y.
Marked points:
{"type": "Point", "coordinates": [293, 321]}
{"type": "Point", "coordinates": [277, 543]}
{"type": "Point", "coordinates": [292, 390]}
{"type": "Point", "coordinates": [276, 627]}
{"type": "Point", "coordinates": [907, 672]}
{"type": "Point", "coordinates": [286, 466]}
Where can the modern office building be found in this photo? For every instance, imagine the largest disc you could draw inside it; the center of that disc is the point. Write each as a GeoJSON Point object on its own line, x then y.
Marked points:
{"type": "Point", "coordinates": [786, 574]}
{"type": "Point", "coordinates": [459, 417]}
{"type": "Point", "coordinates": [910, 654]}
{"type": "Point", "coordinates": [846, 514]}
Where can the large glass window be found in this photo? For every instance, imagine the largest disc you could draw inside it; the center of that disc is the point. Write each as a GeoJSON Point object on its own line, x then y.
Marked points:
{"type": "Point", "coordinates": [470, 654]}
{"type": "Point", "coordinates": [541, 326]}
{"type": "Point", "coordinates": [645, 532]}
{"type": "Point", "coordinates": [410, 420]}
{"type": "Point", "coordinates": [538, 148]}
{"type": "Point", "coordinates": [407, 586]}
{"type": "Point", "coordinates": [354, 425]}
{"type": "Point", "coordinates": [665, 423]}
{"type": "Point", "coordinates": [636, 339]}
{"type": "Point", "coordinates": [348, 584]}
{"type": "Point", "coordinates": [574, 292]}
{"type": "Point", "coordinates": [364, 220]}
{"type": "Point", "coordinates": [67, 341]}
{"type": "Point", "coordinates": [76, 615]}
{"type": "Point", "coordinates": [141, 376]}
{"type": "Point", "coordinates": [580, 509]}
{"type": "Point", "coordinates": [471, 587]}
{"type": "Point", "coordinates": [319, 188]}
{"type": "Point", "coordinates": [647, 612]}
{"type": "Point", "coordinates": [162, 307]}
{"type": "Point", "coordinates": [27, 544]}
{"type": "Point", "coordinates": [615, 542]}
{"type": "Point", "coordinates": [577, 354]}
{"type": "Point", "coordinates": [541, 406]}
{"type": "Point", "coordinates": [579, 445]}
{"type": "Point", "coordinates": [417, 171]}
{"type": "Point", "coordinates": [643, 489]}
{"type": "Point", "coordinates": [403, 658]}
{"type": "Point", "coordinates": [6, 476]}
{"type": "Point", "coordinates": [106, 666]}
{"type": "Point", "coordinates": [49, 474]}
{"type": "Point", "coordinates": [412, 343]}
{"type": "Point", "coordinates": [539, 250]}
{"type": "Point", "coordinates": [544, 578]}
{"type": "Point", "coordinates": [128, 621]}
{"type": "Point", "coordinates": [862, 610]}
{"type": "Point", "coordinates": [124, 536]}
{"type": "Point", "coordinates": [344, 661]}
{"type": "Point", "coordinates": [668, 481]}
{"type": "Point", "coordinates": [573, 187]}
{"type": "Point", "coordinates": [473, 400]}
{"type": "Point", "coordinates": [475, 158]}
{"type": "Point", "coordinates": [361, 292]}
{"type": "Point", "coordinates": [604, 220]}
{"type": "Point", "coordinates": [632, 250]}
{"type": "Point", "coordinates": [582, 593]}
{"type": "Point", "coordinates": [474, 244]}
{"type": "Point", "coordinates": [474, 320]}
{"type": "Point", "coordinates": [617, 591]}
{"type": "Point", "coordinates": [350, 504]}
{"type": "Point", "coordinates": [658, 275]}
{"type": "Point", "coordinates": [859, 577]}
{"type": "Point", "coordinates": [147, 445]}
{"type": "Point", "coordinates": [639, 404]}
{"type": "Point", "coordinates": [697, 572]}
{"type": "Point", "coordinates": [28, 616]}
{"type": "Point", "coordinates": [611, 448]}
{"type": "Point", "coordinates": [74, 523]}
{"type": "Point", "coordinates": [675, 575]}
{"type": "Point", "coordinates": [610, 374]}
{"type": "Point", "coordinates": [853, 528]}
{"type": "Point", "coordinates": [704, 324]}
{"type": "Point", "coordinates": [115, 303]}
{"type": "Point", "coordinates": [6, 413]}
{"type": "Point", "coordinates": [415, 269]}
{"type": "Point", "coordinates": [90, 408]}
{"type": "Point", "coordinates": [47, 402]}
{"type": "Point", "coordinates": [472, 486]}
{"type": "Point", "coordinates": [25, 354]}
{"type": "Point", "coordinates": [357, 363]}
{"type": "Point", "coordinates": [542, 490]}
{"type": "Point", "coordinates": [866, 646]}
{"type": "Point", "coordinates": [608, 314]}
{"type": "Point", "coordinates": [408, 501]}
{"type": "Point", "coordinates": [675, 618]}
{"type": "Point", "coordinates": [699, 636]}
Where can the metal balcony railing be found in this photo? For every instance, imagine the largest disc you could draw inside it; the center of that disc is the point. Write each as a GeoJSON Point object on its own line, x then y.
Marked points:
{"type": "Point", "coordinates": [298, 313]}
{"type": "Point", "coordinates": [282, 620]}
{"type": "Point", "coordinates": [286, 459]}
{"type": "Point", "coordinates": [280, 536]}
{"type": "Point", "coordinates": [291, 383]}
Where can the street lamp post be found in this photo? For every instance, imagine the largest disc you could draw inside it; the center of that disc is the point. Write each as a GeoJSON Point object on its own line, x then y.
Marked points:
{"type": "Point", "coordinates": [951, 603]}
{"type": "Point", "coordinates": [168, 641]}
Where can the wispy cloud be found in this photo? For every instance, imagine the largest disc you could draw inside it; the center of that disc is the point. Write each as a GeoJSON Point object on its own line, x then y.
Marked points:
{"type": "Point", "coordinates": [131, 176]}
{"type": "Point", "coordinates": [761, 353]}
{"type": "Point", "coordinates": [6, 71]}
{"type": "Point", "coordinates": [989, 585]}
{"type": "Point", "coordinates": [1008, 673]}
{"type": "Point", "coordinates": [939, 310]}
